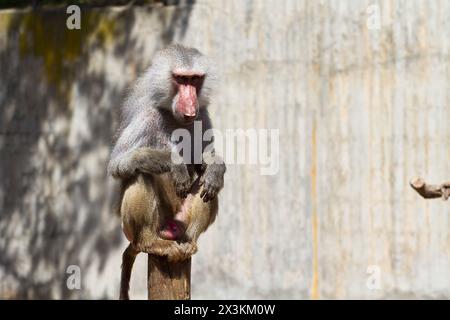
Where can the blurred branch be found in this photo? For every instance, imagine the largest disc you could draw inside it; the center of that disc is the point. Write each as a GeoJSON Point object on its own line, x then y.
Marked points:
{"type": "Point", "coordinates": [429, 191]}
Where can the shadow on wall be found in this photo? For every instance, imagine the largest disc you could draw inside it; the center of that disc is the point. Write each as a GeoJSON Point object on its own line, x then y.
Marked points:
{"type": "Point", "coordinates": [58, 115]}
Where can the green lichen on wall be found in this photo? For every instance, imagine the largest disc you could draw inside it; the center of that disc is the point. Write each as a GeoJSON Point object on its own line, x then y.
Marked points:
{"type": "Point", "coordinates": [64, 52]}
{"type": "Point", "coordinates": [24, 3]}
{"type": "Point", "coordinates": [5, 19]}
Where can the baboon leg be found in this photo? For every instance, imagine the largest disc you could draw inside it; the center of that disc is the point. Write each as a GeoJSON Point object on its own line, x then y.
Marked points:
{"type": "Point", "coordinates": [149, 202]}
{"type": "Point", "coordinates": [128, 257]}
{"type": "Point", "coordinates": [202, 215]}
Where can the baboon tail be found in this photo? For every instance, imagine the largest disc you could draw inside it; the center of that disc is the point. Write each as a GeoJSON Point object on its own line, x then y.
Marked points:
{"type": "Point", "coordinates": [128, 257]}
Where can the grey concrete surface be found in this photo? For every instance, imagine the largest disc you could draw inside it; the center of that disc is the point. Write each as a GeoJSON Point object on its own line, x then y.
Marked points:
{"type": "Point", "coordinates": [362, 105]}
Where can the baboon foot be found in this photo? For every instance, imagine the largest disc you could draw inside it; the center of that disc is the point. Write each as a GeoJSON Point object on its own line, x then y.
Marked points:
{"type": "Point", "coordinates": [186, 250]}
{"type": "Point", "coordinates": [173, 250]}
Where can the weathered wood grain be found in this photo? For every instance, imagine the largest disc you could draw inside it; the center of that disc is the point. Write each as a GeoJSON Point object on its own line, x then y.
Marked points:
{"type": "Point", "coordinates": [167, 280]}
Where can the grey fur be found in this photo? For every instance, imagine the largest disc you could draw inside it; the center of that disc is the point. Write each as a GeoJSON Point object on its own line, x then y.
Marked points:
{"type": "Point", "coordinates": [143, 140]}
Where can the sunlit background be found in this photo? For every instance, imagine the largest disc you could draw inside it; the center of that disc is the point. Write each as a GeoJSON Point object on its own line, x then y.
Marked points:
{"type": "Point", "coordinates": [359, 91]}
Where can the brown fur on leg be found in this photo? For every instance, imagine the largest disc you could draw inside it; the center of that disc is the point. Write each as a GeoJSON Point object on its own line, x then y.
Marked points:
{"type": "Point", "coordinates": [146, 204]}
{"type": "Point", "coordinates": [201, 214]}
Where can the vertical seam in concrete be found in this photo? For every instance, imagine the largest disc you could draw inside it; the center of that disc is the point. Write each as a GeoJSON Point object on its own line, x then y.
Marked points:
{"type": "Point", "coordinates": [314, 218]}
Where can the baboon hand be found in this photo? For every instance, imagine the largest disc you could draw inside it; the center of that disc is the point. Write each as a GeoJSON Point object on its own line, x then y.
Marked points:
{"type": "Point", "coordinates": [152, 161]}
{"type": "Point", "coordinates": [212, 181]}
{"type": "Point", "coordinates": [181, 180]}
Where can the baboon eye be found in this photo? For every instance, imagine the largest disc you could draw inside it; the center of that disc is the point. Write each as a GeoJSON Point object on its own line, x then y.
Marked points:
{"type": "Point", "coordinates": [177, 78]}
{"type": "Point", "coordinates": [196, 79]}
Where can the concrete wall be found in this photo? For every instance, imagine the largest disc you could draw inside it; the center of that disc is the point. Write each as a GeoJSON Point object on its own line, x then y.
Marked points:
{"type": "Point", "coordinates": [360, 110]}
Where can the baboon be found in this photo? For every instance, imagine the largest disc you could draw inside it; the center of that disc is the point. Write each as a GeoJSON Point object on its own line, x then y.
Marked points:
{"type": "Point", "coordinates": [166, 204]}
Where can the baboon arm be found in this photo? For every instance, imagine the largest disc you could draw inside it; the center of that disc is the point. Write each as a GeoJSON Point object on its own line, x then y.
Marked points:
{"type": "Point", "coordinates": [132, 137]}
{"type": "Point", "coordinates": [132, 152]}
{"type": "Point", "coordinates": [120, 166]}
{"type": "Point", "coordinates": [141, 160]}
{"type": "Point", "coordinates": [212, 177]}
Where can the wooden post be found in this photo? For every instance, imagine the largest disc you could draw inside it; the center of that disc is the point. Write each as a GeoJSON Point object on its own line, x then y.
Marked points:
{"type": "Point", "coordinates": [168, 280]}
